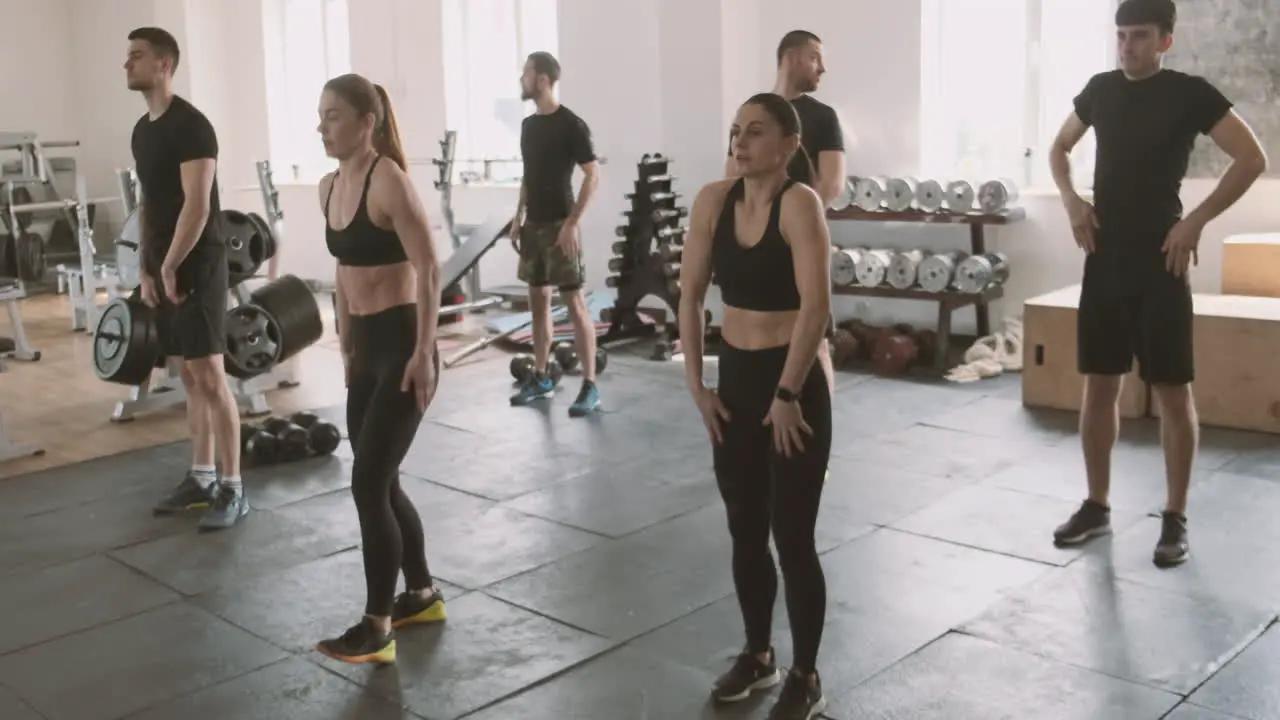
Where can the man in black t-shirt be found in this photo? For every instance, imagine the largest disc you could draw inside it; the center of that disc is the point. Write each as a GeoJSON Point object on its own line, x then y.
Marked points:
{"type": "Point", "coordinates": [184, 272]}
{"type": "Point", "coordinates": [1135, 300]}
{"type": "Point", "coordinates": [545, 230]}
{"type": "Point", "coordinates": [820, 161]}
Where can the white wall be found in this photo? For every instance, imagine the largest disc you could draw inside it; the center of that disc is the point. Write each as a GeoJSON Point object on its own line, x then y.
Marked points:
{"type": "Point", "coordinates": [680, 71]}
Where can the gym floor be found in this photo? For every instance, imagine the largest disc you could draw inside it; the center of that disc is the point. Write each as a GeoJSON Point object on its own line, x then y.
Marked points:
{"type": "Point", "coordinates": [586, 567]}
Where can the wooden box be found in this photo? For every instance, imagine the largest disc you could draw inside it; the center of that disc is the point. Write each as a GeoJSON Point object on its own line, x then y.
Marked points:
{"type": "Point", "coordinates": [1049, 375]}
{"type": "Point", "coordinates": [1251, 265]}
{"type": "Point", "coordinates": [1237, 345]}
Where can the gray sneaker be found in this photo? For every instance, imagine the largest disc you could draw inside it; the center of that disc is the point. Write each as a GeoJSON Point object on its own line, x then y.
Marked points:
{"type": "Point", "coordinates": [227, 509]}
{"type": "Point", "coordinates": [188, 495]}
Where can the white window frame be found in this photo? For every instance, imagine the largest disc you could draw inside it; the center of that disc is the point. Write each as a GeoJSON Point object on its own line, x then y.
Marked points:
{"type": "Point", "coordinates": [472, 153]}
{"type": "Point", "coordinates": [1037, 135]}
{"type": "Point", "coordinates": [296, 153]}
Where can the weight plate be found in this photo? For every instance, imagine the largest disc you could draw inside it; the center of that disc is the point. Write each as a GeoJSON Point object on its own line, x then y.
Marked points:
{"type": "Point", "coordinates": [125, 344]}
{"type": "Point", "coordinates": [253, 342]}
{"type": "Point", "coordinates": [246, 246]}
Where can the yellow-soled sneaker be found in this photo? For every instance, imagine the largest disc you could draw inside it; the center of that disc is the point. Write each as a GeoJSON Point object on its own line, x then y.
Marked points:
{"type": "Point", "coordinates": [361, 643]}
{"type": "Point", "coordinates": [410, 609]}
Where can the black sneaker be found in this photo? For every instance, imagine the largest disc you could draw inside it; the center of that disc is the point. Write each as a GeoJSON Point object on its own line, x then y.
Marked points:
{"type": "Point", "coordinates": [1091, 520]}
{"type": "Point", "coordinates": [361, 643]}
{"type": "Point", "coordinates": [799, 700]}
{"type": "Point", "coordinates": [409, 609]}
{"type": "Point", "coordinates": [1172, 549]}
{"type": "Point", "coordinates": [188, 495]}
{"type": "Point", "coordinates": [228, 507]}
{"type": "Point", "coordinates": [746, 675]}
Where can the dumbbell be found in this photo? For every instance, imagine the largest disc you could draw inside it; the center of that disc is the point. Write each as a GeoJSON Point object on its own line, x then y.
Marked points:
{"type": "Point", "coordinates": [259, 444]}
{"type": "Point", "coordinates": [567, 355]}
{"type": "Point", "coordinates": [522, 367]}
{"type": "Point", "coordinates": [292, 439]}
{"type": "Point", "coordinates": [322, 437]}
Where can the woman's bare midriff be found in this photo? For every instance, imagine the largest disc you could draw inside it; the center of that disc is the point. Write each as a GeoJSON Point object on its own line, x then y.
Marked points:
{"type": "Point", "coordinates": [370, 290]}
{"type": "Point", "coordinates": [757, 330]}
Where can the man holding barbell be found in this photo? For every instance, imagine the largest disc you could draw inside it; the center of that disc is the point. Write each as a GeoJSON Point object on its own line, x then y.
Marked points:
{"type": "Point", "coordinates": [184, 273]}
{"type": "Point", "coordinates": [1135, 299]}
{"type": "Point", "coordinates": [819, 163]}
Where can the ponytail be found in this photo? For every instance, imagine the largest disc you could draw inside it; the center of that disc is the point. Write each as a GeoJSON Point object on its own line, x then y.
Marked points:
{"type": "Point", "coordinates": [386, 137]}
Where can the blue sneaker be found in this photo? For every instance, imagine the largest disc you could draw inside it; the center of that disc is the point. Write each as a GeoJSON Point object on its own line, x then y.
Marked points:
{"type": "Point", "coordinates": [588, 400]}
{"type": "Point", "coordinates": [228, 507]}
{"type": "Point", "coordinates": [537, 388]}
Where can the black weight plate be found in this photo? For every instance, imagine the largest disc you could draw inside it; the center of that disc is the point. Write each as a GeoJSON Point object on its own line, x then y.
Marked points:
{"type": "Point", "coordinates": [264, 230]}
{"type": "Point", "coordinates": [253, 342]}
{"type": "Point", "coordinates": [246, 246]}
{"type": "Point", "coordinates": [291, 303]}
{"type": "Point", "coordinates": [32, 263]}
{"type": "Point", "coordinates": [125, 343]}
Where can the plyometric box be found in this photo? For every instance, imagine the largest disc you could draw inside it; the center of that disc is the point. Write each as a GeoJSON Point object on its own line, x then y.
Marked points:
{"type": "Point", "coordinates": [1251, 265]}
{"type": "Point", "coordinates": [1049, 375]}
{"type": "Point", "coordinates": [1237, 343]}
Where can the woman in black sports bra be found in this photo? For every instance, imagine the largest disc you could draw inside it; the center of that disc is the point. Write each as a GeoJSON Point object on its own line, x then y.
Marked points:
{"type": "Point", "coordinates": [769, 420]}
{"type": "Point", "coordinates": [388, 298]}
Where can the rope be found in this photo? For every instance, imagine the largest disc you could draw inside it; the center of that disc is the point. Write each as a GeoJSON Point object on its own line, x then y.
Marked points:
{"type": "Point", "coordinates": [992, 355]}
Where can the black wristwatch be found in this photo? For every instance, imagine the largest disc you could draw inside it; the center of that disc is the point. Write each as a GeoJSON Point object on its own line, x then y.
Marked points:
{"type": "Point", "coordinates": [786, 395]}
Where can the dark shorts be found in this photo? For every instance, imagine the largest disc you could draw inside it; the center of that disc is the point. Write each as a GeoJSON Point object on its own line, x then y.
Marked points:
{"type": "Point", "coordinates": [1135, 308]}
{"type": "Point", "coordinates": [196, 327]}
{"type": "Point", "coordinates": [542, 264]}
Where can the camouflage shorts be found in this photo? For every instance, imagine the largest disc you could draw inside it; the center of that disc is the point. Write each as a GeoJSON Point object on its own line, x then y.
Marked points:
{"type": "Point", "coordinates": [544, 264]}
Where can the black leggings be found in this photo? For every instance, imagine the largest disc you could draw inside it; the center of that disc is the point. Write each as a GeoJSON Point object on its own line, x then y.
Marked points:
{"type": "Point", "coordinates": [382, 422]}
{"type": "Point", "coordinates": [763, 489]}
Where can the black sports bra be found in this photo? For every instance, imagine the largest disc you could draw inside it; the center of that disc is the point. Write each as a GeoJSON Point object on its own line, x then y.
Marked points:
{"type": "Point", "coordinates": [361, 243]}
{"type": "Point", "coordinates": [761, 277]}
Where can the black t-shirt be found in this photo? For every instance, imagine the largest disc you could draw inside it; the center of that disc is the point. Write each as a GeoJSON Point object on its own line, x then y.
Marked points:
{"type": "Point", "coordinates": [1146, 130]}
{"type": "Point", "coordinates": [820, 132]}
{"type": "Point", "coordinates": [160, 147]}
{"type": "Point", "coordinates": [552, 146]}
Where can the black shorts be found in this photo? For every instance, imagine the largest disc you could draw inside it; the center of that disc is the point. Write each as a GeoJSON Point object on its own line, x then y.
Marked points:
{"type": "Point", "coordinates": [196, 327]}
{"type": "Point", "coordinates": [1135, 308]}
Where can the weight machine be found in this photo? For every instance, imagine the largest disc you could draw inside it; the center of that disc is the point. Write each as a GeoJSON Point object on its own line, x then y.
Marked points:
{"type": "Point", "coordinates": [168, 391]}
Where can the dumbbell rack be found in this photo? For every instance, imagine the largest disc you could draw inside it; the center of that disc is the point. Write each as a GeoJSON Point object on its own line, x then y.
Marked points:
{"type": "Point", "coordinates": [647, 257]}
{"type": "Point", "coordinates": [948, 301]}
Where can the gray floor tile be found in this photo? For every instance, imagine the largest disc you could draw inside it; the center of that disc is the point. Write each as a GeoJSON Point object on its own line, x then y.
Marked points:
{"type": "Point", "coordinates": [12, 708]}
{"type": "Point", "coordinates": [1008, 420]}
{"type": "Point", "coordinates": [964, 678]}
{"type": "Point", "coordinates": [1233, 536]}
{"type": "Point", "coordinates": [622, 685]}
{"type": "Point", "coordinates": [1246, 687]}
{"type": "Point", "coordinates": [637, 583]}
{"type": "Point", "coordinates": [918, 577]}
{"type": "Point", "coordinates": [78, 531]}
{"type": "Point", "coordinates": [487, 651]}
{"type": "Point", "coordinates": [292, 689]}
{"type": "Point", "coordinates": [488, 466]}
{"type": "Point", "coordinates": [300, 606]}
{"type": "Point", "coordinates": [1188, 711]}
{"type": "Point", "coordinates": [152, 470]}
{"type": "Point", "coordinates": [1004, 521]}
{"type": "Point", "coordinates": [273, 486]}
{"type": "Point", "coordinates": [934, 451]}
{"type": "Point", "coordinates": [263, 543]}
{"type": "Point", "coordinates": [1137, 479]}
{"type": "Point", "coordinates": [1139, 442]}
{"type": "Point", "coordinates": [1083, 617]}
{"type": "Point", "coordinates": [880, 494]}
{"type": "Point", "coordinates": [68, 598]}
{"type": "Point", "coordinates": [881, 405]}
{"type": "Point", "coordinates": [1262, 463]}
{"type": "Point", "coordinates": [855, 645]}
{"type": "Point", "coordinates": [617, 499]}
{"type": "Point", "coordinates": [127, 666]}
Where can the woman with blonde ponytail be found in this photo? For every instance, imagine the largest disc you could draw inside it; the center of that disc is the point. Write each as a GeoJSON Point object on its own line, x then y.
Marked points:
{"type": "Point", "coordinates": [388, 298]}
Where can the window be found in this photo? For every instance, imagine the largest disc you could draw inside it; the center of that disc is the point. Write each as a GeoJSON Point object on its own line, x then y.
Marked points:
{"type": "Point", "coordinates": [486, 43]}
{"type": "Point", "coordinates": [308, 42]}
{"type": "Point", "coordinates": [997, 81]}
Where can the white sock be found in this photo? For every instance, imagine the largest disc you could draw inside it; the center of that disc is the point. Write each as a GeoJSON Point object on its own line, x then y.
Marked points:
{"type": "Point", "coordinates": [206, 475]}
{"type": "Point", "coordinates": [231, 481]}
